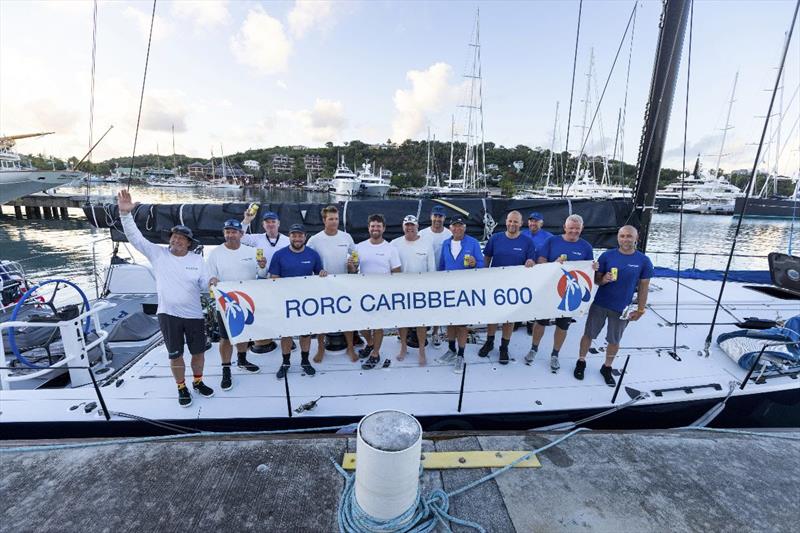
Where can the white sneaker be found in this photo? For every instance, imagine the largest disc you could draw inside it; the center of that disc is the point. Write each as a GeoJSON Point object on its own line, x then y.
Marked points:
{"type": "Point", "coordinates": [554, 364]}
{"type": "Point", "coordinates": [458, 368]}
{"type": "Point", "coordinates": [448, 357]}
{"type": "Point", "coordinates": [530, 357]}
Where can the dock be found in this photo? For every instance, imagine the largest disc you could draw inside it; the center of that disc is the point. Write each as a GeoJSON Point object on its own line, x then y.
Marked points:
{"type": "Point", "coordinates": [594, 481]}
{"type": "Point", "coordinates": [44, 206]}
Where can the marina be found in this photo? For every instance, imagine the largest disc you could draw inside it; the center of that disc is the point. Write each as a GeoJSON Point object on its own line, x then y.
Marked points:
{"type": "Point", "coordinates": [504, 337]}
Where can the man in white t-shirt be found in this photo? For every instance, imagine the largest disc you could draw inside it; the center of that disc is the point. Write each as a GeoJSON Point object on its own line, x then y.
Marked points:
{"type": "Point", "coordinates": [270, 241]}
{"type": "Point", "coordinates": [180, 280]}
{"type": "Point", "coordinates": [375, 256]}
{"type": "Point", "coordinates": [437, 234]}
{"type": "Point", "coordinates": [416, 256]}
{"type": "Point", "coordinates": [233, 262]}
{"type": "Point", "coordinates": [335, 248]}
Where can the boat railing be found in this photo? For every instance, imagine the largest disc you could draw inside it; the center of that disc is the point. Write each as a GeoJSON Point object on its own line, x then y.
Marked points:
{"type": "Point", "coordinates": [77, 348]}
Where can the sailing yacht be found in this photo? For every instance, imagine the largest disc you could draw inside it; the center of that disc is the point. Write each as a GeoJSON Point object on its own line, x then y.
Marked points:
{"type": "Point", "coordinates": [344, 181]}
{"type": "Point", "coordinates": [19, 178]}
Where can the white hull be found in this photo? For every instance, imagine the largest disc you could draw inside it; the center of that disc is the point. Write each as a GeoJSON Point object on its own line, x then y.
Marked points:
{"type": "Point", "coordinates": [374, 190]}
{"type": "Point", "coordinates": [17, 183]}
{"type": "Point", "coordinates": [346, 186]}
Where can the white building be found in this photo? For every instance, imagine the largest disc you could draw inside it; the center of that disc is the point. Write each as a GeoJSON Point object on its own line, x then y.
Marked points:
{"type": "Point", "coordinates": [251, 165]}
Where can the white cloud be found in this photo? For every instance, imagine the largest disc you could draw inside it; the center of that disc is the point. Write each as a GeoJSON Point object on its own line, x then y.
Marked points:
{"type": "Point", "coordinates": [281, 84]}
{"type": "Point", "coordinates": [430, 91]}
{"type": "Point", "coordinates": [204, 14]}
{"type": "Point", "coordinates": [327, 120]}
{"type": "Point", "coordinates": [161, 28]}
{"type": "Point", "coordinates": [308, 14]}
{"type": "Point", "coordinates": [161, 111]}
{"type": "Point", "coordinates": [262, 43]}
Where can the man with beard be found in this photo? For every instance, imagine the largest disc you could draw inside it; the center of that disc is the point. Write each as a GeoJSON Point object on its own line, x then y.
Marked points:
{"type": "Point", "coordinates": [620, 273]}
{"type": "Point", "coordinates": [416, 255]}
{"type": "Point", "coordinates": [535, 231]}
{"type": "Point", "coordinates": [376, 256]}
{"type": "Point", "coordinates": [459, 252]}
{"type": "Point", "coordinates": [269, 242]}
{"type": "Point", "coordinates": [233, 262]}
{"type": "Point", "coordinates": [510, 248]}
{"type": "Point", "coordinates": [334, 247]}
{"type": "Point", "coordinates": [561, 249]}
{"type": "Point", "coordinates": [180, 279]}
{"type": "Point", "coordinates": [437, 234]}
{"type": "Point", "coordinates": [293, 261]}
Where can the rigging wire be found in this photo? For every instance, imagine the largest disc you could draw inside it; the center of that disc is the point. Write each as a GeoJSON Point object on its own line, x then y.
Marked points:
{"type": "Point", "coordinates": [625, 103]}
{"type": "Point", "coordinates": [683, 170]}
{"type": "Point", "coordinates": [602, 95]}
{"type": "Point", "coordinates": [574, 66]}
{"type": "Point", "coordinates": [141, 96]}
{"type": "Point", "coordinates": [91, 93]}
{"type": "Point", "coordinates": [752, 175]}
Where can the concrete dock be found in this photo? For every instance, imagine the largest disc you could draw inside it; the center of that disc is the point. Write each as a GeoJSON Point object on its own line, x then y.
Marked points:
{"type": "Point", "coordinates": [594, 481]}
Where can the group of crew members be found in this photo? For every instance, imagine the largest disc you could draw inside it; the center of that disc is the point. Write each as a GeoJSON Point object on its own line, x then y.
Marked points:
{"type": "Point", "coordinates": [180, 274]}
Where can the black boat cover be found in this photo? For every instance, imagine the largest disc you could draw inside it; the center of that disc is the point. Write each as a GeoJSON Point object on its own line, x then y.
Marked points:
{"type": "Point", "coordinates": [602, 218]}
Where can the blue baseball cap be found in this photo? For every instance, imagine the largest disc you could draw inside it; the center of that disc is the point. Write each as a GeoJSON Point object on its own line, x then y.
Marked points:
{"type": "Point", "coordinates": [438, 210]}
{"type": "Point", "coordinates": [270, 215]}
{"type": "Point", "coordinates": [297, 228]}
{"type": "Point", "coordinates": [535, 215]}
{"type": "Point", "coordinates": [232, 223]}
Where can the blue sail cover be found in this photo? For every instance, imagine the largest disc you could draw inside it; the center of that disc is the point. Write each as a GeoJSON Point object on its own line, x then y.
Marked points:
{"type": "Point", "coordinates": [743, 276]}
{"type": "Point", "coordinates": [747, 344]}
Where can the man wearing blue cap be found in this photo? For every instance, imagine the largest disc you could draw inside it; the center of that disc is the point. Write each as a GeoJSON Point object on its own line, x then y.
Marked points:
{"type": "Point", "coordinates": [268, 242]}
{"type": "Point", "coordinates": [293, 261]}
{"type": "Point", "coordinates": [436, 234]}
{"type": "Point", "coordinates": [459, 252]}
{"type": "Point", "coordinates": [180, 280]}
{"type": "Point", "coordinates": [535, 223]}
{"type": "Point", "coordinates": [233, 262]}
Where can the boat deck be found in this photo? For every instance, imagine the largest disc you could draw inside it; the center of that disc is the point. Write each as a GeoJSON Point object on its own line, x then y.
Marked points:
{"type": "Point", "coordinates": [491, 392]}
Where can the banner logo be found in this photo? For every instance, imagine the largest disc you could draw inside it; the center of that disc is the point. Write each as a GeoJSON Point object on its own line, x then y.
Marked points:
{"type": "Point", "coordinates": [573, 287]}
{"type": "Point", "coordinates": [239, 310]}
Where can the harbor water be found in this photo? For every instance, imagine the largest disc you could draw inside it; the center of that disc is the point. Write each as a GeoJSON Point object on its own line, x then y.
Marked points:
{"type": "Point", "coordinates": [70, 249]}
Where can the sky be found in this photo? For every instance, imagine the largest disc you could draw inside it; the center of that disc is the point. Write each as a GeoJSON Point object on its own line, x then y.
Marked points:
{"type": "Point", "coordinates": [230, 76]}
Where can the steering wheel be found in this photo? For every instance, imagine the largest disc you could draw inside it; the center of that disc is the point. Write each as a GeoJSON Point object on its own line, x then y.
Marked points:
{"type": "Point", "coordinates": [12, 341]}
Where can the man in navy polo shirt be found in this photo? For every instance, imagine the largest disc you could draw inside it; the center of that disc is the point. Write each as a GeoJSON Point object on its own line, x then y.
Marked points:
{"type": "Point", "coordinates": [510, 248]}
{"type": "Point", "coordinates": [621, 272]}
{"type": "Point", "coordinates": [293, 261]}
{"type": "Point", "coordinates": [560, 248]}
{"type": "Point", "coordinates": [535, 231]}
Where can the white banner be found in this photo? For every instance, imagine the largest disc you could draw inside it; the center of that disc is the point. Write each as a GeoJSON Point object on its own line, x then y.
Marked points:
{"type": "Point", "coordinates": [269, 309]}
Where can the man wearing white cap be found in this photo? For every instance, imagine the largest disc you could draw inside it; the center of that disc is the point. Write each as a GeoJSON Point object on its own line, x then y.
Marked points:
{"type": "Point", "coordinates": [416, 255]}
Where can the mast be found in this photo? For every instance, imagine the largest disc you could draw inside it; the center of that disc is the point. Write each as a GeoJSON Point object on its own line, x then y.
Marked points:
{"type": "Point", "coordinates": [428, 164]}
{"type": "Point", "coordinates": [552, 147]}
{"type": "Point", "coordinates": [584, 136]}
{"type": "Point", "coordinates": [727, 124]}
{"type": "Point", "coordinates": [674, 19]}
{"type": "Point", "coordinates": [222, 157]}
{"type": "Point", "coordinates": [452, 139]}
{"type": "Point", "coordinates": [174, 157]}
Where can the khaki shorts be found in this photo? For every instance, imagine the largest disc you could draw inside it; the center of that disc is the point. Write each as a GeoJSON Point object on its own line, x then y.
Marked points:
{"type": "Point", "coordinates": [598, 316]}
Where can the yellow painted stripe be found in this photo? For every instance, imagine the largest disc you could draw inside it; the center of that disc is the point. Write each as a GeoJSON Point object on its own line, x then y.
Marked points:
{"type": "Point", "coordinates": [452, 206]}
{"type": "Point", "coordinates": [473, 459]}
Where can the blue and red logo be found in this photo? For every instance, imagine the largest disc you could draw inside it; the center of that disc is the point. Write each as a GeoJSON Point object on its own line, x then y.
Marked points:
{"type": "Point", "coordinates": [574, 287]}
{"type": "Point", "coordinates": [239, 310]}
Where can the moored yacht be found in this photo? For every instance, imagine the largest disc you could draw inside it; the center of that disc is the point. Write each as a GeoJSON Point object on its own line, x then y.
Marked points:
{"type": "Point", "coordinates": [19, 178]}
{"type": "Point", "coordinates": [372, 185]}
{"type": "Point", "coordinates": [344, 181]}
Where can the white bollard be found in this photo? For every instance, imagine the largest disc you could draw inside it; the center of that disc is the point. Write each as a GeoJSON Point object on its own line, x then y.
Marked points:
{"type": "Point", "coordinates": [388, 455]}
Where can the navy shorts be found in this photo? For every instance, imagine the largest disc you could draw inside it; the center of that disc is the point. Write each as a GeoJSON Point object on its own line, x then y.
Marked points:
{"type": "Point", "coordinates": [178, 332]}
{"type": "Point", "coordinates": [598, 316]}
{"type": "Point", "coordinates": [561, 323]}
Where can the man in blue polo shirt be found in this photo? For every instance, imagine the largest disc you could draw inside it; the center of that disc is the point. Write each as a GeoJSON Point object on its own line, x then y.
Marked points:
{"type": "Point", "coordinates": [535, 231]}
{"type": "Point", "coordinates": [459, 252]}
{"type": "Point", "coordinates": [293, 261]}
{"type": "Point", "coordinates": [510, 248]}
{"type": "Point", "coordinates": [621, 272]}
{"type": "Point", "coordinates": [560, 248]}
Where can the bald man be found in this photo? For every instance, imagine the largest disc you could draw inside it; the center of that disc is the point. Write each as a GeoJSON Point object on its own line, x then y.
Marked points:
{"type": "Point", "coordinates": [621, 272]}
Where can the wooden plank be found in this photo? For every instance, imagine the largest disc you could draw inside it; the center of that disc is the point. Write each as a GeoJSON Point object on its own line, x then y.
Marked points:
{"type": "Point", "coordinates": [466, 459]}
